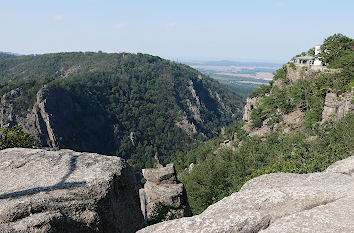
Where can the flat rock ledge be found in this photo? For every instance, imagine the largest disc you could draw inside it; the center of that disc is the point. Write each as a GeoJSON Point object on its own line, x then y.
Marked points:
{"type": "Point", "coordinates": [66, 191]}
{"type": "Point", "coordinates": [280, 202]}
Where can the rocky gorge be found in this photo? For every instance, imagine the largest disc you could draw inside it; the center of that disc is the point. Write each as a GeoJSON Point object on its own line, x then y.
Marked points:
{"type": "Point", "coordinates": [286, 167]}
{"type": "Point", "coordinates": [67, 191]}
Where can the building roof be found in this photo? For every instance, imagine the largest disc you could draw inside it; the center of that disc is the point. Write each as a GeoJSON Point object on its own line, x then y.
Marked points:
{"type": "Point", "coordinates": [305, 58]}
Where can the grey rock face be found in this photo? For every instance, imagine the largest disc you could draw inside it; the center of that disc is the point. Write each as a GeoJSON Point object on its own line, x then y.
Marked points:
{"type": "Point", "coordinates": [280, 202]}
{"type": "Point", "coordinates": [54, 120]}
{"type": "Point", "coordinates": [336, 107]}
{"type": "Point", "coordinates": [296, 73]}
{"type": "Point", "coordinates": [66, 191]}
{"type": "Point", "coordinates": [251, 103]}
{"type": "Point", "coordinates": [164, 175]}
{"type": "Point", "coordinates": [161, 186]}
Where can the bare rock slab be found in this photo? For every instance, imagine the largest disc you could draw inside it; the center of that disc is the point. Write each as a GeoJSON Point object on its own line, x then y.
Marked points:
{"type": "Point", "coordinates": [161, 186]}
{"type": "Point", "coordinates": [280, 202]}
{"type": "Point", "coordinates": [66, 191]}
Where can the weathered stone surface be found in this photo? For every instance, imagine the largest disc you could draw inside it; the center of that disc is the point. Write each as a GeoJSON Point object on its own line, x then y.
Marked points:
{"type": "Point", "coordinates": [54, 120]}
{"type": "Point", "coordinates": [336, 107]}
{"type": "Point", "coordinates": [190, 167]}
{"type": "Point", "coordinates": [296, 73]}
{"type": "Point", "coordinates": [66, 191]}
{"type": "Point", "coordinates": [186, 125]}
{"type": "Point", "coordinates": [345, 166]}
{"type": "Point", "coordinates": [251, 103]}
{"type": "Point", "coordinates": [161, 186]}
{"type": "Point", "coordinates": [169, 194]}
{"type": "Point", "coordinates": [280, 202]}
{"type": "Point", "coordinates": [294, 117]}
{"type": "Point", "coordinates": [164, 175]}
{"type": "Point", "coordinates": [259, 131]}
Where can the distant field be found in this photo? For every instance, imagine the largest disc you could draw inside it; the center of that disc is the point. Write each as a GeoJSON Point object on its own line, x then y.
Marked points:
{"type": "Point", "coordinates": [240, 84]}
{"type": "Point", "coordinates": [241, 77]}
{"type": "Point", "coordinates": [259, 75]}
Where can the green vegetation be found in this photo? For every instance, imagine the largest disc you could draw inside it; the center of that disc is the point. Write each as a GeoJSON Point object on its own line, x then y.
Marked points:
{"type": "Point", "coordinates": [310, 52]}
{"type": "Point", "coordinates": [98, 99]}
{"type": "Point", "coordinates": [262, 90]}
{"type": "Point", "coordinates": [15, 137]}
{"type": "Point", "coordinates": [164, 212]}
{"type": "Point", "coordinates": [272, 106]}
{"type": "Point", "coordinates": [6, 55]}
{"type": "Point", "coordinates": [217, 176]}
{"type": "Point", "coordinates": [309, 147]}
{"type": "Point", "coordinates": [292, 65]}
{"type": "Point", "coordinates": [243, 90]}
{"type": "Point", "coordinates": [281, 74]}
{"type": "Point", "coordinates": [335, 48]}
{"type": "Point", "coordinates": [117, 94]}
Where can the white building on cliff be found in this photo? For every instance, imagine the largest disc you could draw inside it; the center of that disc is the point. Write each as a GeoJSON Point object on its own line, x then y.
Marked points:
{"type": "Point", "coordinates": [309, 60]}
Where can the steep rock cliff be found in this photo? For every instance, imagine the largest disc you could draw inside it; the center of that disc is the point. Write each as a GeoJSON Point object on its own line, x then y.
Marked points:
{"type": "Point", "coordinates": [66, 191]}
{"type": "Point", "coordinates": [337, 106]}
{"type": "Point", "coordinates": [56, 120]}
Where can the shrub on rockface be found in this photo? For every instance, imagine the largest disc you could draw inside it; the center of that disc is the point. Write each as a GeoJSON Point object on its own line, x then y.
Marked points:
{"type": "Point", "coordinates": [15, 137]}
{"type": "Point", "coordinates": [163, 212]}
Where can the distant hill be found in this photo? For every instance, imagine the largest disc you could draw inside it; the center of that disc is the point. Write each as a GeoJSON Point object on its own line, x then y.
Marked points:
{"type": "Point", "coordinates": [4, 55]}
{"type": "Point", "coordinates": [131, 105]}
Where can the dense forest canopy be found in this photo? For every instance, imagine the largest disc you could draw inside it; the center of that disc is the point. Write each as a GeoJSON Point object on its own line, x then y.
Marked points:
{"type": "Point", "coordinates": [130, 105]}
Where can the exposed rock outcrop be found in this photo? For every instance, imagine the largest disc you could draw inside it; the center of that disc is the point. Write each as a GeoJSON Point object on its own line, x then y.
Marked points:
{"type": "Point", "coordinates": [7, 117]}
{"type": "Point", "coordinates": [54, 121]}
{"type": "Point", "coordinates": [337, 106]}
{"type": "Point", "coordinates": [66, 191]}
{"type": "Point", "coordinates": [251, 103]}
{"type": "Point", "coordinates": [280, 202]}
{"type": "Point", "coordinates": [44, 120]}
{"type": "Point", "coordinates": [295, 73]}
{"type": "Point", "coordinates": [161, 186]}
{"type": "Point", "coordinates": [186, 125]}
{"type": "Point", "coordinates": [190, 167]}
{"type": "Point", "coordinates": [304, 71]}
{"type": "Point", "coordinates": [294, 118]}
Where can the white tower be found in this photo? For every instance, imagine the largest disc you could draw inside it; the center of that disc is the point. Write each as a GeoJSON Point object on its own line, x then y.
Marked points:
{"type": "Point", "coordinates": [317, 61]}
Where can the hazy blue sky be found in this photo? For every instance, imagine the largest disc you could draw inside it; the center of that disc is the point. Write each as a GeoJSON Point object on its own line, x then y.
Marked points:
{"type": "Point", "coordinates": [248, 30]}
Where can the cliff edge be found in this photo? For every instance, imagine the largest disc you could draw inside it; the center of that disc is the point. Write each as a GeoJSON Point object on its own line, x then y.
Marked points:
{"type": "Point", "coordinates": [66, 191]}
{"type": "Point", "coordinates": [280, 202]}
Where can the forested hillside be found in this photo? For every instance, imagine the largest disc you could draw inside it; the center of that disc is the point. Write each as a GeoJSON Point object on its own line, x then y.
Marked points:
{"type": "Point", "coordinates": [133, 106]}
{"type": "Point", "coordinates": [302, 122]}
{"type": "Point", "coordinates": [4, 55]}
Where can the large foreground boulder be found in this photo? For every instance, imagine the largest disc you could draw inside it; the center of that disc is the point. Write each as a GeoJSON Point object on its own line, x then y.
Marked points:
{"type": "Point", "coordinates": [280, 202]}
{"type": "Point", "coordinates": [66, 191]}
